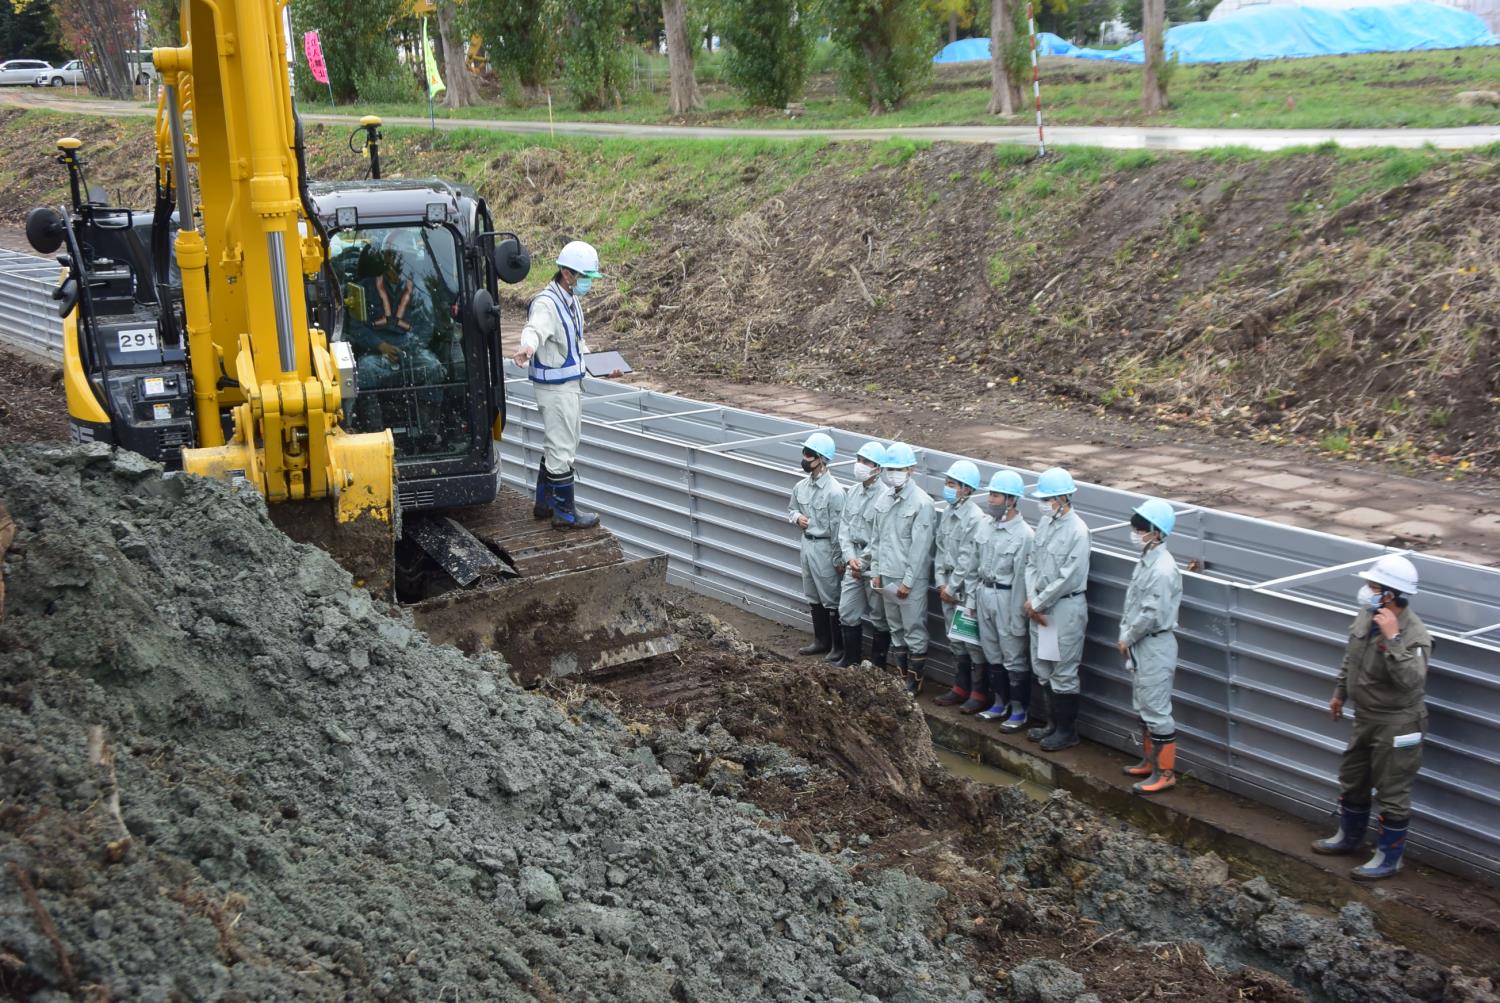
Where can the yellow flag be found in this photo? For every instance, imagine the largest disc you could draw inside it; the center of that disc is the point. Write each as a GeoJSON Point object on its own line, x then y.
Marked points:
{"type": "Point", "coordinates": [435, 85]}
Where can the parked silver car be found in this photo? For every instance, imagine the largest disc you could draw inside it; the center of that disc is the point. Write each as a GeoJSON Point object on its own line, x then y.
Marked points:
{"type": "Point", "coordinates": [22, 71]}
{"type": "Point", "coordinates": [70, 72]}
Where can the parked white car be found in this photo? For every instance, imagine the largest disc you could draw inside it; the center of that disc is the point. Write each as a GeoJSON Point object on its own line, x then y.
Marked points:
{"type": "Point", "coordinates": [70, 72]}
{"type": "Point", "coordinates": [22, 71]}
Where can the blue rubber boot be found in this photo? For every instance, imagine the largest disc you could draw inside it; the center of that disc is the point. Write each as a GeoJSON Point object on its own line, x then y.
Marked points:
{"type": "Point", "coordinates": [564, 514]}
{"type": "Point", "coordinates": [1351, 832]}
{"type": "Point", "coordinates": [1389, 847]}
{"type": "Point", "coordinates": [541, 508]}
{"type": "Point", "coordinates": [999, 691]}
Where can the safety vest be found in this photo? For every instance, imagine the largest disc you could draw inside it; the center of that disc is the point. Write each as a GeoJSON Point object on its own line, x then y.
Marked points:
{"type": "Point", "coordinates": [572, 366]}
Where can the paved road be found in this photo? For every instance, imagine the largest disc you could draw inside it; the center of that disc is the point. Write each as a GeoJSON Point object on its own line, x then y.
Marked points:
{"type": "Point", "coordinates": [1111, 137]}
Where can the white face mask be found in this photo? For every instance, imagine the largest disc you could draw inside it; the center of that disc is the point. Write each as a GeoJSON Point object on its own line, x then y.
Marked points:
{"type": "Point", "coordinates": [1143, 540]}
{"type": "Point", "coordinates": [896, 478]}
{"type": "Point", "coordinates": [1368, 598]}
{"type": "Point", "coordinates": [862, 472]}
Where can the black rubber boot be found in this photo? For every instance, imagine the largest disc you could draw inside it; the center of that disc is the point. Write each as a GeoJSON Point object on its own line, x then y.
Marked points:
{"type": "Point", "coordinates": [963, 670]}
{"type": "Point", "coordinates": [999, 694]}
{"type": "Point", "coordinates": [835, 638]}
{"type": "Point", "coordinates": [1065, 711]}
{"type": "Point", "coordinates": [979, 690]}
{"type": "Point", "coordinates": [564, 514]}
{"type": "Point", "coordinates": [880, 649]}
{"type": "Point", "coordinates": [1049, 716]}
{"type": "Point", "coordinates": [1020, 703]}
{"type": "Point", "coordinates": [916, 675]}
{"type": "Point", "coordinates": [822, 631]}
{"type": "Point", "coordinates": [854, 640]}
{"type": "Point", "coordinates": [541, 507]}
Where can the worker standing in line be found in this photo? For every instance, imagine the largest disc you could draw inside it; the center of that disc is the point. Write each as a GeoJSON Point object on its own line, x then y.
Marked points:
{"type": "Point", "coordinates": [1384, 673]}
{"type": "Point", "coordinates": [953, 567]}
{"type": "Point", "coordinates": [1005, 544]}
{"type": "Point", "coordinates": [1149, 646]}
{"type": "Point", "coordinates": [904, 524]}
{"type": "Point", "coordinates": [858, 600]}
{"type": "Point", "coordinates": [552, 350]}
{"type": "Point", "coordinates": [816, 509]}
{"type": "Point", "coordinates": [1057, 573]}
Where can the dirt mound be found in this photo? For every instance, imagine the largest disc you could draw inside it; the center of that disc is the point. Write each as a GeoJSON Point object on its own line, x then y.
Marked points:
{"type": "Point", "coordinates": [1127, 917]}
{"type": "Point", "coordinates": [228, 775]}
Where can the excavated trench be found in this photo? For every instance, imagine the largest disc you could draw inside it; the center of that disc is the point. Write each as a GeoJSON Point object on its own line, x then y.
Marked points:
{"type": "Point", "coordinates": [226, 774]}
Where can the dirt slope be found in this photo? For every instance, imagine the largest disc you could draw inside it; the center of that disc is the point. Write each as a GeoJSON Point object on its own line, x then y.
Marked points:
{"type": "Point", "coordinates": [1342, 300]}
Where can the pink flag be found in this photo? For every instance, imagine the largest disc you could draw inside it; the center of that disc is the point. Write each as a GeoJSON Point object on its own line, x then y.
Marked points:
{"type": "Point", "coordinates": [314, 50]}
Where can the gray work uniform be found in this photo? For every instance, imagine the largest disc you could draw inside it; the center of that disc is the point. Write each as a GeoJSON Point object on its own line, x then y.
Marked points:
{"type": "Point", "coordinates": [904, 524]}
{"type": "Point", "coordinates": [1003, 636]}
{"type": "Point", "coordinates": [1057, 572]}
{"type": "Point", "coordinates": [555, 333]}
{"type": "Point", "coordinates": [1146, 627]}
{"type": "Point", "coordinates": [957, 556]}
{"type": "Point", "coordinates": [858, 599]}
{"type": "Point", "coordinates": [1386, 680]}
{"type": "Point", "coordinates": [821, 499]}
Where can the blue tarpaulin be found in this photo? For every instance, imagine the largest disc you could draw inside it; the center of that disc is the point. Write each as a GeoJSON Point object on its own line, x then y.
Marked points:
{"type": "Point", "coordinates": [970, 50]}
{"type": "Point", "coordinates": [1287, 32]}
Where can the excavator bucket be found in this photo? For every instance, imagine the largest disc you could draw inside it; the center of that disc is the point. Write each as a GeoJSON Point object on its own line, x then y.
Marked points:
{"type": "Point", "coordinates": [560, 604]}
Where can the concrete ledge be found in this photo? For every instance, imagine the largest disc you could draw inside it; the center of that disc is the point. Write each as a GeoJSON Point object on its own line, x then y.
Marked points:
{"type": "Point", "coordinates": [1455, 920]}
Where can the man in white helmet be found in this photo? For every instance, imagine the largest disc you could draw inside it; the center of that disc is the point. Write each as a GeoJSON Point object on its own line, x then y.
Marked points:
{"type": "Point", "coordinates": [1384, 674]}
{"type": "Point", "coordinates": [551, 352]}
{"type": "Point", "coordinates": [817, 508]}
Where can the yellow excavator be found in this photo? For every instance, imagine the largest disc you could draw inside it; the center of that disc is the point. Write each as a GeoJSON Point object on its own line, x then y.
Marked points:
{"type": "Point", "coordinates": [335, 345]}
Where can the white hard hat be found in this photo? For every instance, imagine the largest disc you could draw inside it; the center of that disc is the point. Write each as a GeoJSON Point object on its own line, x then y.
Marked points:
{"type": "Point", "coordinates": [1394, 572]}
{"type": "Point", "coordinates": [580, 257]}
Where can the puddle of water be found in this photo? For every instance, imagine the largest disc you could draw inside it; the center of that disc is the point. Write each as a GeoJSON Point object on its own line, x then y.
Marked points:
{"type": "Point", "coordinates": [967, 766]}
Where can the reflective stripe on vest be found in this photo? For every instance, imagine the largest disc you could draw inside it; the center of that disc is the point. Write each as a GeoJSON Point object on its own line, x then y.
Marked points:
{"type": "Point", "coordinates": [572, 366]}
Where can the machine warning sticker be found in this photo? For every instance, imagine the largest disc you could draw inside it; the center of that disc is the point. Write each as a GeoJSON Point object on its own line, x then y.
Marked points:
{"type": "Point", "coordinates": [162, 412]}
{"type": "Point", "coordinates": [154, 386]}
{"type": "Point", "coordinates": [138, 339]}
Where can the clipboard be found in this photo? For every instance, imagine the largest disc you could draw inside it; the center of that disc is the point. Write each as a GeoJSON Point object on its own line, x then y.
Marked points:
{"type": "Point", "coordinates": [603, 363]}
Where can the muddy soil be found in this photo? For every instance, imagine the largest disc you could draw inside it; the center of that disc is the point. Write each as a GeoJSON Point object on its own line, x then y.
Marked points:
{"type": "Point", "coordinates": [32, 406]}
{"type": "Point", "coordinates": [842, 761]}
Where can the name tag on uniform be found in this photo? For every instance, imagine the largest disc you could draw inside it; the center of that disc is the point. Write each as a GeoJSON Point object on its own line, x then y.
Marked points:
{"type": "Point", "coordinates": [1407, 741]}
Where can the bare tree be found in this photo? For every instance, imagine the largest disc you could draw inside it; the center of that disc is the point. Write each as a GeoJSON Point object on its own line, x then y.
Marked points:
{"type": "Point", "coordinates": [685, 94]}
{"type": "Point", "coordinates": [1005, 88]}
{"type": "Point", "coordinates": [1154, 80]}
{"type": "Point", "coordinates": [462, 89]}
{"type": "Point", "coordinates": [105, 30]}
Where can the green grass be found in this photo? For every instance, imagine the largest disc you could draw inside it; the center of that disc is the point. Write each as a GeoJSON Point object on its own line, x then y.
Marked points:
{"type": "Point", "coordinates": [1366, 91]}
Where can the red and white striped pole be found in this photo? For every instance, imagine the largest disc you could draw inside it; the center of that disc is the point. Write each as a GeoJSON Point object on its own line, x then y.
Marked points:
{"type": "Point", "coordinates": [1036, 81]}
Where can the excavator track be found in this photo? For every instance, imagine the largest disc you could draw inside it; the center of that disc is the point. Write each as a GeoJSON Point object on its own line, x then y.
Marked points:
{"type": "Point", "coordinates": [576, 605]}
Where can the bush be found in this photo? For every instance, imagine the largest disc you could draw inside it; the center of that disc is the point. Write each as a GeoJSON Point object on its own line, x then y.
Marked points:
{"type": "Point", "coordinates": [884, 48]}
{"type": "Point", "coordinates": [356, 45]}
{"type": "Point", "coordinates": [595, 65]}
{"type": "Point", "coordinates": [518, 42]}
{"type": "Point", "coordinates": [766, 44]}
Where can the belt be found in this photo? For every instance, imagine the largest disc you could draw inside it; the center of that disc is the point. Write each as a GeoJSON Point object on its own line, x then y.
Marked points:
{"type": "Point", "coordinates": [1154, 633]}
{"type": "Point", "coordinates": [810, 536]}
{"type": "Point", "coordinates": [995, 585]}
{"type": "Point", "coordinates": [1070, 595]}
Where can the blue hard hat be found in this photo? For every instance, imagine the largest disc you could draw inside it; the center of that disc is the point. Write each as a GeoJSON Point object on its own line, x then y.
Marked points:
{"type": "Point", "coordinates": [1053, 482]}
{"type": "Point", "coordinates": [965, 473]}
{"type": "Point", "coordinates": [1007, 482]}
{"type": "Point", "coordinates": [900, 455]}
{"type": "Point", "coordinates": [874, 452]}
{"type": "Point", "coordinates": [820, 443]}
{"type": "Point", "coordinates": [1158, 513]}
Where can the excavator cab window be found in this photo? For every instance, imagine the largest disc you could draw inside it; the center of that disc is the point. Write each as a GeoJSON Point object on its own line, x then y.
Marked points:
{"type": "Point", "coordinates": [401, 296]}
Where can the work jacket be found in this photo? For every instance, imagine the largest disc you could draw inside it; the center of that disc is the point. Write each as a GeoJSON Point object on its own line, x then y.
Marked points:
{"type": "Point", "coordinates": [904, 523]}
{"type": "Point", "coordinates": [1386, 679]}
{"type": "Point", "coordinates": [957, 539]}
{"type": "Point", "coordinates": [1003, 547]}
{"type": "Point", "coordinates": [857, 530]}
{"type": "Point", "coordinates": [554, 332]}
{"type": "Point", "coordinates": [1058, 564]}
{"type": "Point", "coordinates": [1154, 595]}
{"type": "Point", "coordinates": [821, 499]}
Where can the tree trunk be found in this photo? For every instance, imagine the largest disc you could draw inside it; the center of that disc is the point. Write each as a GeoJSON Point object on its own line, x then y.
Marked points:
{"type": "Point", "coordinates": [1002, 36]}
{"type": "Point", "coordinates": [685, 95]}
{"type": "Point", "coordinates": [462, 90]}
{"type": "Point", "coordinates": [952, 26]}
{"type": "Point", "coordinates": [1154, 84]}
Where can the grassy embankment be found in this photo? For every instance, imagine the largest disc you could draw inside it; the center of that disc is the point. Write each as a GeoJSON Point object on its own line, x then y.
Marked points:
{"type": "Point", "coordinates": [1342, 299]}
{"type": "Point", "coordinates": [1386, 90]}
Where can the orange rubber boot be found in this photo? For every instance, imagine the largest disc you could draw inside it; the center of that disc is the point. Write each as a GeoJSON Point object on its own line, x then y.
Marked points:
{"type": "Point", "coordinates": [1164, 777]}
{"type": "Point", "coordinates": [1143, 768]}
